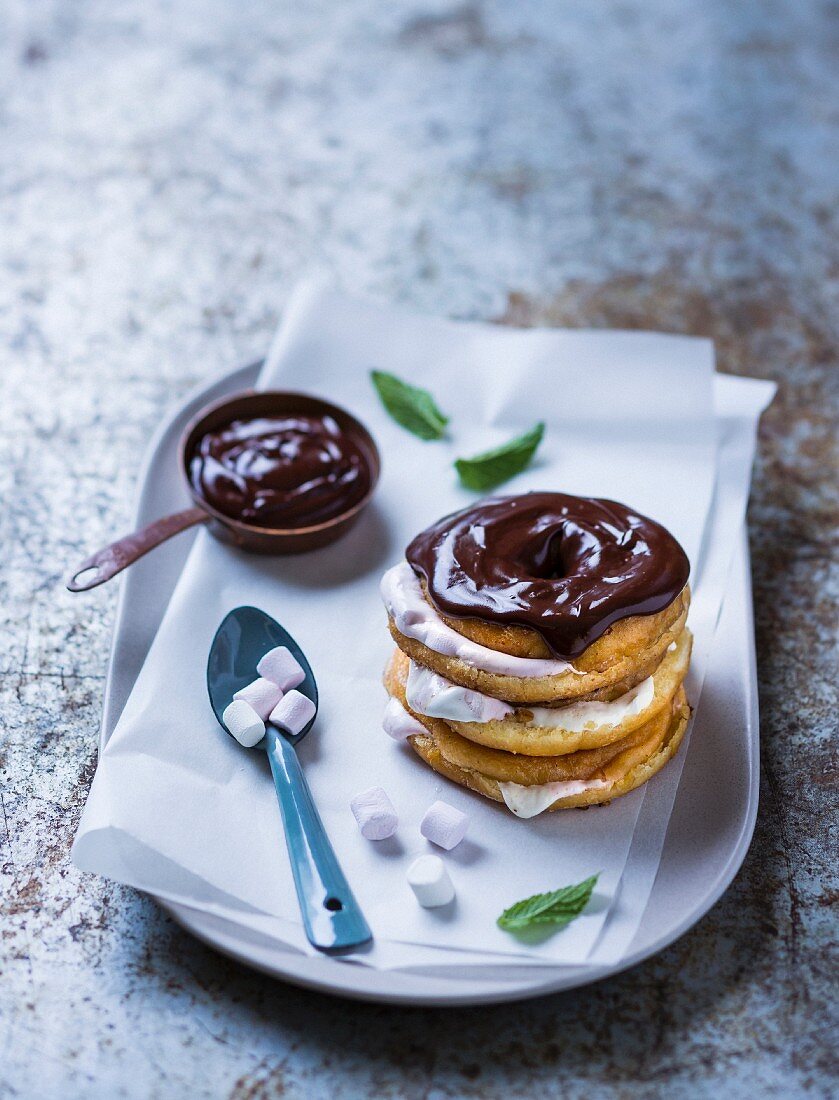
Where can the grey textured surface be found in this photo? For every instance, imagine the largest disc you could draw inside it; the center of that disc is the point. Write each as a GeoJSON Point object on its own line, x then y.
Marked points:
{"type": "Point", "coordinates": [167, 172]}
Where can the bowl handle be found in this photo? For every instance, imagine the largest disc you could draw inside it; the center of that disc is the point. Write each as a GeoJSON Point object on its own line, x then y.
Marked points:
{"type": "Point", "coordinates": [106, 563]}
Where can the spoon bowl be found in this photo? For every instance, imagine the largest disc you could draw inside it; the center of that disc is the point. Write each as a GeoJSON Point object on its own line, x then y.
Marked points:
{"type": "Point", "coordinates": [245, 634]}
{"type": "Point", "coordinates": [332, 917]}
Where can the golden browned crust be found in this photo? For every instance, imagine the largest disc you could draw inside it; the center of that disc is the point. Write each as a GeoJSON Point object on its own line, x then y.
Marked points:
{"type": "Point", "coordinates": [514, 734]}
{"type": "Point", "coordinates": [509, 767]}
{"type": "Point", "coordinates": [631, 635]}
{"type": "Point", "coordinates": [648, 759]}
{"type": "Point", "coordinates": [624, 669]}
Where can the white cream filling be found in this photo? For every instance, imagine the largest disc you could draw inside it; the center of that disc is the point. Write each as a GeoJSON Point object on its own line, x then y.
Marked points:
{"type": "Point", "coordinates": [398, 724]}
{"type": "Point", "coordinates": [577, 717]}
{"type": "Point", "coordinates": [431, 694]}
{"type": "Point", "coordinates": [530, 801]}
{"type": "Point", "coordinates": [416, 618]}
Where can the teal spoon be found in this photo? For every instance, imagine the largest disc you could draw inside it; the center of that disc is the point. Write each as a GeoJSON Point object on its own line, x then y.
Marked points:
{"type": "Point", "coordinates": [331, 915]}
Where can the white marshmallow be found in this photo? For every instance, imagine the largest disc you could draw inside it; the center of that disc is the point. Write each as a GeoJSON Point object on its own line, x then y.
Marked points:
{"type": "Point", "coordinates": [444, 826]}
{"type": "Point", "coordinates": [375, 814]}
{"type": "Point", "coordinates": [430, 881]}
{"type": "Point", "coordinates": [278, 666]}
{"type": "Point", "coordinates": [293, 712]}
{"type": "Point", "coordinates": [400, 725]}
{"type": "Point", "coordinates": [244, 723]}
{"type": "Point", "coordinates": [262, 694]}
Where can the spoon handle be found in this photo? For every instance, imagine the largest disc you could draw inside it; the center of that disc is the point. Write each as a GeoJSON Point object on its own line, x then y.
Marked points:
{"type": "Point", "coordinates": [331, 915]}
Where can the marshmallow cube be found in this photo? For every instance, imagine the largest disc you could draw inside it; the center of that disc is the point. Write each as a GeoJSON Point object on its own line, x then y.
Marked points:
{"type": "Point", "coordinates": [244, 723]}
{"type": "Point", "coordinates": [293, 712]}
{"type": "Point", "coordinates": [444, 826]}
{"type": "Point", "coordinates": [430, 881]}
{"type": "Point", "coordinates": [262, 694]}
{"type": "Point", "coordinates": [375, 814]}
{"type": "Point", "coordinates": [278, 666]}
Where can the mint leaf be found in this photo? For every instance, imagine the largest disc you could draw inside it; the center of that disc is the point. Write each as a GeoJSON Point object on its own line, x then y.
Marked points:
{"type": "Point", "coordinates": [410, 406]}
{"type": "Point", "coordinates": [559, 907]}
{"type": "Point", "coordinates": [485, 471]}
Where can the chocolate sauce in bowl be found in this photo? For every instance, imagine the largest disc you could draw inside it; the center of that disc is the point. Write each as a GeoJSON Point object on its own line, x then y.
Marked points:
{"type": "Point", "coordinates": [567, 567]}
{"type": "Point", "coordinates": [281, 472]}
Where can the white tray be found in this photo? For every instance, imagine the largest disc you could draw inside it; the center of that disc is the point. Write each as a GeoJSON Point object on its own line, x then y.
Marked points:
{"type": "Point", "coordinates": [707, 838]}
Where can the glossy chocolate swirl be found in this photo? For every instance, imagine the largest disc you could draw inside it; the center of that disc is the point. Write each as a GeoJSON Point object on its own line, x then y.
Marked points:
{"type": "Point", "coordinates": [567, 567]}
{"type": "Point", "coordinates": [282, 472]}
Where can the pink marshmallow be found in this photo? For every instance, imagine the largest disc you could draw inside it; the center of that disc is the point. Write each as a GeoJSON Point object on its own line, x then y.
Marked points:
{"type": "Point", "coordinates": [293, 712]}
{"type": "Point", "coordinates": [278, 666]}
{"type": "Point", "coordinates": [262, 694]}
{"type": "Point", "coordinates": [444, 825]}
{"type": "Point", "coordinates": [374, 812]}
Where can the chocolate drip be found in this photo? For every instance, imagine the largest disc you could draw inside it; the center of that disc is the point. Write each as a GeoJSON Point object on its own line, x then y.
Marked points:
{"type": "Point", "coordinates": [567, 567]}
{"type": "Point", "coordinates": [282, 472]}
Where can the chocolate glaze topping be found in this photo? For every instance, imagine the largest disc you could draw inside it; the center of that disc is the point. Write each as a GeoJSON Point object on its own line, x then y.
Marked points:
{"type": "Point", "coordinates": [282, 472]}
{"type": "Point", "coordinates": [567, 567]}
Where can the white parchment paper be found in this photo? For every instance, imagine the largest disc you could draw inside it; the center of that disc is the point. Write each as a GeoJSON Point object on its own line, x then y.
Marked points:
{"type": "Point", "coordinates": [178, 809]}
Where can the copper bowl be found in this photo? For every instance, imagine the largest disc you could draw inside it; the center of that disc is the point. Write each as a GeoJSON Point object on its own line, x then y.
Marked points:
{"type": "Point", "coordinates": [106, 563]}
